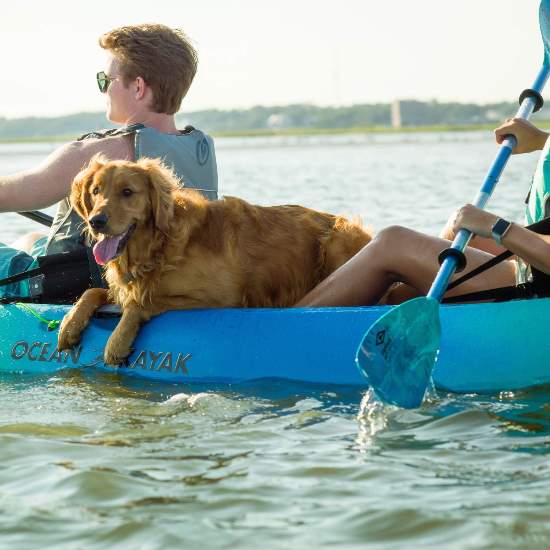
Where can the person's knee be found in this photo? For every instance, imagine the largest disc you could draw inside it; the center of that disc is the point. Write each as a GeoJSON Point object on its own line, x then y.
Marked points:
{"type": "Point", "coordinates": [393, 236]}
{"type": "Point", "coordinates": [395, 246]}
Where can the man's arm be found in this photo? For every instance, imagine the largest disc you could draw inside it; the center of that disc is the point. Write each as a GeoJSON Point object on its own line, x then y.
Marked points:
{"type": "Point", "coordinates": [51, 181]}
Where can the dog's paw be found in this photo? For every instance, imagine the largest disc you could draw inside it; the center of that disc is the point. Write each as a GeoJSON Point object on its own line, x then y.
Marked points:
{"type": "Point", "coordinates": [69, 335]}
{"type": "Point", "coordinates": [116, 353]}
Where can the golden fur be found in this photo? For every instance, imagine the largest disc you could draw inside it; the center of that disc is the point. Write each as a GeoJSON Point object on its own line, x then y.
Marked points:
{"type": "Point", "coordinates": [188, 252]}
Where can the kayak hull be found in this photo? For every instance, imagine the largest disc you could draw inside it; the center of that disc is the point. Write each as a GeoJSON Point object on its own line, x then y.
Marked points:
{"type": "Point", "coordinates": [484, 348]}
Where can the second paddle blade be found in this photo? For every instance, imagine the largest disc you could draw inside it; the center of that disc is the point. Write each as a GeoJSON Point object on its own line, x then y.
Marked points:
{"type": "Point", "coordinates": [399, 350]}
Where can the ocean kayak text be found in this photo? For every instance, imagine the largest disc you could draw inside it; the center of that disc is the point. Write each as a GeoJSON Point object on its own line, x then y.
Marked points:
{"type": "Point", "coordinates": [145, 360]}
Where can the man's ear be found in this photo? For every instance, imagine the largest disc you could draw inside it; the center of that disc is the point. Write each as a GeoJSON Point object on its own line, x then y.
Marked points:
{"type": "Point", "coordinates": [80, 195]}
{"type": "Point", "coordinates": [161, 185]}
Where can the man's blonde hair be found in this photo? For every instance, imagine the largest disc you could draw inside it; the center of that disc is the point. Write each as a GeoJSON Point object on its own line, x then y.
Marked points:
{"type": "Point", "coordinates": [162, 56]}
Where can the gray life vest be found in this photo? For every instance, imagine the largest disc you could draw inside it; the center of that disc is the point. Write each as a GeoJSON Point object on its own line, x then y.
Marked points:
{"type": "Point", "coordinates": [190, 154]}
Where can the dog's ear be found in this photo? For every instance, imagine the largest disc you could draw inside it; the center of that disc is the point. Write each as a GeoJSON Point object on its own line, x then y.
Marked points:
{"type": "Point", "coordinates": [162, 183]}
{"type": "Point", "coordinates": [80, 195]}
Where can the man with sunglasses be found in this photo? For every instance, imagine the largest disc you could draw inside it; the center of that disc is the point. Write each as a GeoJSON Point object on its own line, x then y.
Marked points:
{"type": "Point", "coordinates": [148, 72]}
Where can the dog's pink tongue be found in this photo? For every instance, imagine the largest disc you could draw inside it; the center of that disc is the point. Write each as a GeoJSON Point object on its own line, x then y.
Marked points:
{"type": "Point", "coordinates": [106, 249]}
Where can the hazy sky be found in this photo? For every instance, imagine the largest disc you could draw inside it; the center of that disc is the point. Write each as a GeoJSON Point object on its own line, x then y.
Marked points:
{"type": "Point", "coordinates": [282, 51]}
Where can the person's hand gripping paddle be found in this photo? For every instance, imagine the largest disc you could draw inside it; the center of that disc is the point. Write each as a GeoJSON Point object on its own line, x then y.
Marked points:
{"type": "Point", "coordinates": [398, 352]}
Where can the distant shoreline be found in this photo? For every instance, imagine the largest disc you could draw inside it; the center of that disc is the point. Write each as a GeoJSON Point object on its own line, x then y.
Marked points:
{"type": "Point", "coordinates": [289, 132]}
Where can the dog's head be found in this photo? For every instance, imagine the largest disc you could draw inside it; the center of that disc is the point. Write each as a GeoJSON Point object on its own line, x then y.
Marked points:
{"type": "Point", "coordinates": [117, 197]}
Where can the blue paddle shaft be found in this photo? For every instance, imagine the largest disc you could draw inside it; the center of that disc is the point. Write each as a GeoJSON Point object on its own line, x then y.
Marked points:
{"type": "Point", "coordinates": [448, 267]}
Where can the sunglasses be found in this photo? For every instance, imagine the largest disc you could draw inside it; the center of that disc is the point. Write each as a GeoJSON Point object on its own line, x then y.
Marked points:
{"type": "Point", "coordinates": [104, 81]}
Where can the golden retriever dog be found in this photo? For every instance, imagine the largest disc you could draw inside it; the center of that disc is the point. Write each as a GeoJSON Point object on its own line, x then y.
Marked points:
{"type": "Point", "coordinates": [165, 247]}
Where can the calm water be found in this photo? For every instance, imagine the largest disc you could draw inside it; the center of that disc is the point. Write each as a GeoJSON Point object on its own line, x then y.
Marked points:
{"type": "Point", "coordinates": [100, 462]}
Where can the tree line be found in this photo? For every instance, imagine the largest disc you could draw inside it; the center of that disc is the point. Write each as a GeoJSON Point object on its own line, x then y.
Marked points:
{"type": "Point", "coordinates": [279, 118]}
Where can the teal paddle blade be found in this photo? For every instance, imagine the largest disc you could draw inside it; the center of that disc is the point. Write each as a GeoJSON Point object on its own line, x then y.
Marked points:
{"type": "Point", "coordinates": [399, 350]}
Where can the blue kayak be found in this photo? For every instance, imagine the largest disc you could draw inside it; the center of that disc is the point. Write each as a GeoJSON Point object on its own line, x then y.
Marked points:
{"type": "Point", "coordinates": [485, 347]}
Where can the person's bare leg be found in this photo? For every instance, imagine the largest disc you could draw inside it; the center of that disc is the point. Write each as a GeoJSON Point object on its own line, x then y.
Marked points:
{"type": "Point", "coordinates": [399, 254]}
{"type": "Point", "coordinates": [399, 293]}
{"type": "Point", "coordinates": [26, 242]}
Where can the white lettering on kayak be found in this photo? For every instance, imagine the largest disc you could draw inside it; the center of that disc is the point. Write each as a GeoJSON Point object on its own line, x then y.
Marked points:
{"type": "Point", "coordinates": [41, 351]}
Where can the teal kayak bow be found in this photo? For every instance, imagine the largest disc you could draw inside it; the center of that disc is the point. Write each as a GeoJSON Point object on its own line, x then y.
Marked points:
{"type": "Point", "coordinates": [398, 352]}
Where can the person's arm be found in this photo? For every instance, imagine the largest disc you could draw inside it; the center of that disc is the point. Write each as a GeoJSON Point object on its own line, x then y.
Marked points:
{"type": "Point", "coordinates": [529, 138]}
{"type": "Point", "coordinates": [51, 181]}
{"type": "Point", "coordinates": [488, 245]}
{"type": "Point", "coordinates": [530, 246]}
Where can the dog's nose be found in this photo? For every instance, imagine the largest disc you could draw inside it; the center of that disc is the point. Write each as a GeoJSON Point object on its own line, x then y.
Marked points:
{"type": "Point", "coordinates": [98, 222]}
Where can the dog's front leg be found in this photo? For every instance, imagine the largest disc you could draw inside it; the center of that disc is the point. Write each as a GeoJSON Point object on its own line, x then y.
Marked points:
{"type": "Point", "coordinates": [119, 345]}
{"type": "Point", "coordinates": [79, 316]}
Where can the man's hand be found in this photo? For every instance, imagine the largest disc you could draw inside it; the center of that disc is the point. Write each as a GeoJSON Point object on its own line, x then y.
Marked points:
{"type": "Point", "coordinates": [529, 137]}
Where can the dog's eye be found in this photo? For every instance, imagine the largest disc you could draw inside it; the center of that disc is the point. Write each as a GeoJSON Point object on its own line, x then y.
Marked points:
{"type": "Point", "coordinates": [127, 192]}
{"type": "Point", "coordinates": [95, 190]}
